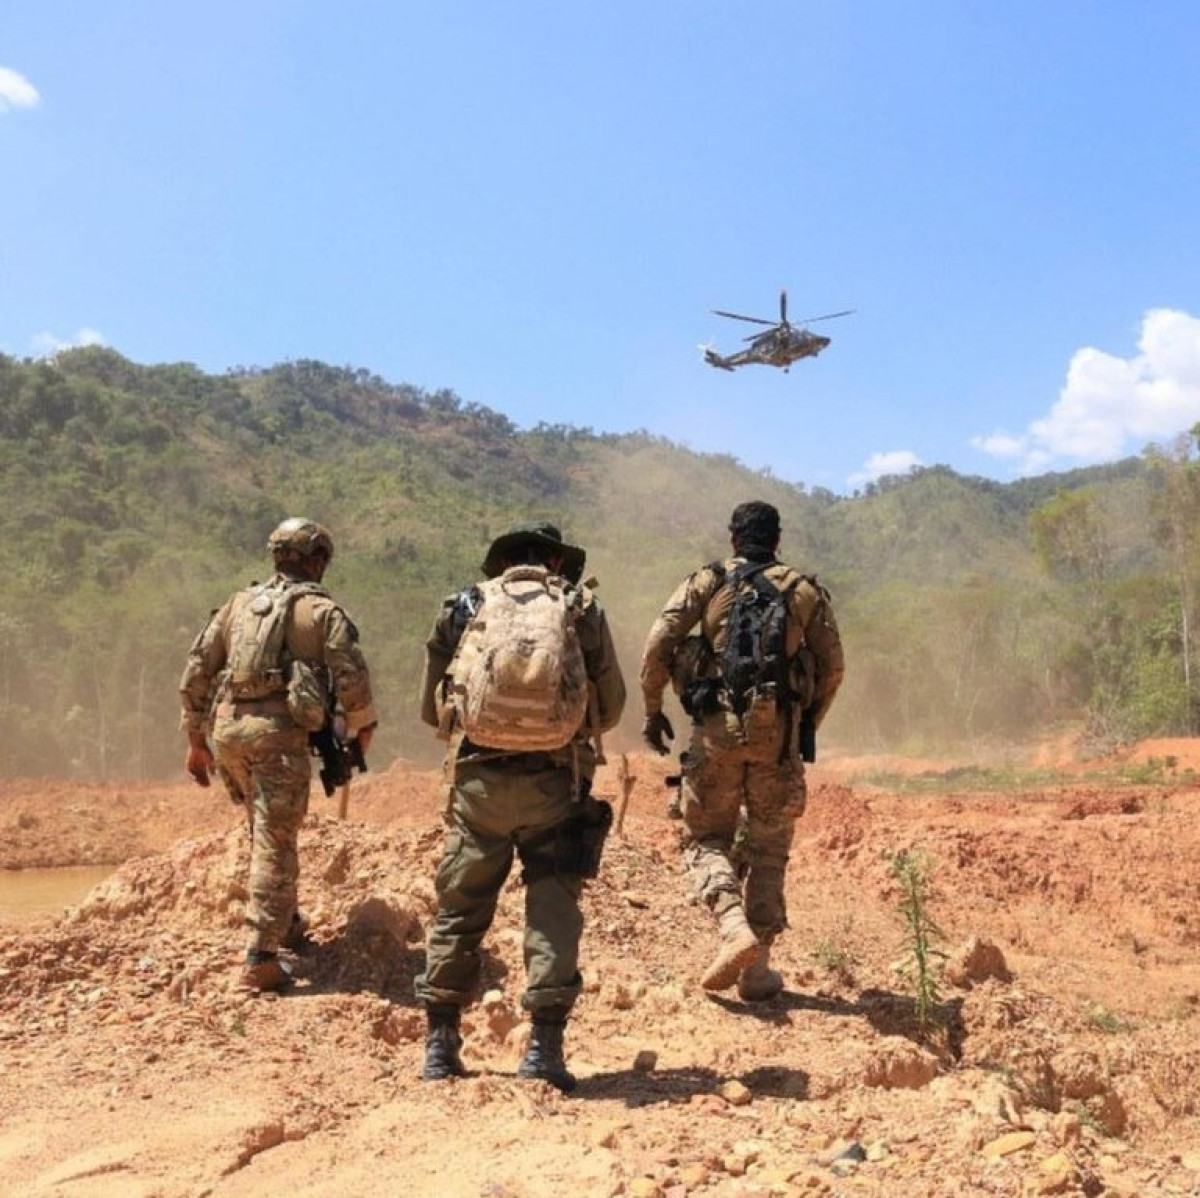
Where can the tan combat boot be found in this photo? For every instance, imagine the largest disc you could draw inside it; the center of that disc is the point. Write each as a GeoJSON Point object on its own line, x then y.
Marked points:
{"type": "Point", "coordinates": [736, 950]}
{"type": "Point", "coordinates": [758, 982]}
{"type": "Point", "coordinates": [264, 971]}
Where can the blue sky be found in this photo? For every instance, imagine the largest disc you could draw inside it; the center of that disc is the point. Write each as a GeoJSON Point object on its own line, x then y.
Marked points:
{"type": "Point", "coordinates": [537, 205]}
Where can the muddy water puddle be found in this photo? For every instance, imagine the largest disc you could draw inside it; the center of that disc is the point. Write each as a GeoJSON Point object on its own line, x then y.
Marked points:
{"type": "Point", "coordinates": [34, 893]}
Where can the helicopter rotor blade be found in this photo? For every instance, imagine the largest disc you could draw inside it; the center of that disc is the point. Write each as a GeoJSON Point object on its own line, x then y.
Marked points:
{"type": "Point", "coordinates": [783, 307]}
{"type": "Point", "coordinates": [737, 316]}
{"type": "Point", "coordinates": [829, 316]}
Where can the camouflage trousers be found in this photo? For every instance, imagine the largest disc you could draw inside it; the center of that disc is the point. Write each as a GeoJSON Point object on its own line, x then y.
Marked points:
{"type": "Point", "coordinates": [740, 804]}
{"type": "Point", "coordinates": [265, 763]}
{"type": "Point", "coordinates": [498, 811]}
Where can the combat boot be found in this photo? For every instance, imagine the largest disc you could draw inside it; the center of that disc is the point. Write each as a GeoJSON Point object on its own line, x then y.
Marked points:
{"type": "Point", "coordinates": [736, 950]}
{"type": "Point", "coordinates": [758, 982]}
{"type": "Point", "coordinates": [442, 1043]}
{"type": "Point", "coordinates": [544, 1057]}
{"type": "Point", "coordinates": [264, 971]}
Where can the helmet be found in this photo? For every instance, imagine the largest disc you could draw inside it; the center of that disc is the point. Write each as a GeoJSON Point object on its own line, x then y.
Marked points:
{"type": "Point", "coordinates": [299, 537]}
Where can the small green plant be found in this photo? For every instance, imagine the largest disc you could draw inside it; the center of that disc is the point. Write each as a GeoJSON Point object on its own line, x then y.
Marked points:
{"type": "Point", "coordinates": [1109, 1022]}
{"type": "Point", "coordinates": [1087, 1118]}
{"type": "Point", "coordinates": [835, 955]}
{"type": "Point", "coordinates": [911, 871]}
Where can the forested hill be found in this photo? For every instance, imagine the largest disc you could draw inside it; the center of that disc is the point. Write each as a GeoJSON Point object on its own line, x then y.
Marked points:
{"type": "Point", "coordinates": [137, 497]}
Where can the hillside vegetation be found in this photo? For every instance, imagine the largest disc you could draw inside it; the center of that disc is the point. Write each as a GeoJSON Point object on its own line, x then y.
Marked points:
{"type": "Point", "coordinates": [137, 497]}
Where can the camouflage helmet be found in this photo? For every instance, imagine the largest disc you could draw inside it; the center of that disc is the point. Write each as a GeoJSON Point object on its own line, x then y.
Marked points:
{"type": "Point", "coordinates": [300, 537]}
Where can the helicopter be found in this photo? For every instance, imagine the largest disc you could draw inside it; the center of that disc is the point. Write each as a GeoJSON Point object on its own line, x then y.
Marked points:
{"type": "Point", "coordinates": [781, 345]}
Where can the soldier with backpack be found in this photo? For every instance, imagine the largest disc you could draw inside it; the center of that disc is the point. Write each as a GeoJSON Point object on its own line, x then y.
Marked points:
{"type": "Point", "coordinates": [264, 672]}
{"type": "Point", "coordinates": [756, 679]}
{"type": "Point", "coordinates": [520, 678]}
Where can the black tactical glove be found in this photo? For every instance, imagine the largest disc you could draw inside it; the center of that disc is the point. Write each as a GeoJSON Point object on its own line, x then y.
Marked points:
{"type": "Point", "coordinates": [654, 729]}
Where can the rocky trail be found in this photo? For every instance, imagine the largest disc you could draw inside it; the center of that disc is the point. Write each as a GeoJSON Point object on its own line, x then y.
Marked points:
{"type": "Point", "coordinates": [1062, 1056]}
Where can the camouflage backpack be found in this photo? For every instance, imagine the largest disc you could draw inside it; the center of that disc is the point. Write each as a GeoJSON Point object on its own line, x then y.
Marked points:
{"type": "Point", "coordinates": [518, 681]}
{"type": "Point", "coordinates": [755, 657]}
{"type": "Point", "coordinates": [257, 663]}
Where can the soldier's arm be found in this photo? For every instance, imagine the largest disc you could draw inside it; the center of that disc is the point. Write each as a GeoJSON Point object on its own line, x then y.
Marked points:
{"type": "Point", "coordinates": [680, 615]}
{"type": "Point", "coordinates": [825, 643]}
{"type": "Point", "coordinates": [349, 674]}
{"type": "Point", "coordinates": [603, 668]}
{"type": "Point", "coordinates": [439, 653]}
{"type": "Point", "coordinates": [205, 661]}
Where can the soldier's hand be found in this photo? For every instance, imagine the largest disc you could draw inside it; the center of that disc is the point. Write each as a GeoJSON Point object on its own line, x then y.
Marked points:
{"type": "Point", "coordinates": [654, 729]}
{"type": "Point", "coordinates": [200, 763]}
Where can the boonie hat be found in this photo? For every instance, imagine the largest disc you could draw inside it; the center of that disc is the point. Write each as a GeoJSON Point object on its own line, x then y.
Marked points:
{"type": "Point", "coordinates": [546, 535]}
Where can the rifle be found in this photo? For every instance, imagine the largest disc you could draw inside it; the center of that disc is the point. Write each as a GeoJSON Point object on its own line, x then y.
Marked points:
{"type": "Point", "coordinates": [340, 757]}
{"type": "Point", "coordinates": [808, 735]}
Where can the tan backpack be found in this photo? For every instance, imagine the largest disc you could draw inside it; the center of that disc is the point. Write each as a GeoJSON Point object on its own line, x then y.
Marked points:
{"type": "Point", "coordinates": [518, 680]}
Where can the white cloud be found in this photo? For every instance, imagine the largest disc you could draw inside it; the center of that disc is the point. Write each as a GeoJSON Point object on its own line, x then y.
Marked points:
{"type": "Point", "coordinates": [894, 461]}
{"type": "Point", "coordinates": [1111, 406]}
{"type": "Point", "coordinates": [46, 345]}
{"type": "Point", "coordinates": [16, 91]}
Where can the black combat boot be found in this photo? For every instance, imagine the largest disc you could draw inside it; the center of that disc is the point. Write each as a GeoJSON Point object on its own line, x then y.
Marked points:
{"type": "Point", "coordinates": [442, 1043]}
{"type": "Point", "coordinates": [544, 1056]}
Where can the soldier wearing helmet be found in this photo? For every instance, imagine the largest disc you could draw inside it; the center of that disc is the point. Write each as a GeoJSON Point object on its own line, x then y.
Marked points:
{"type": "Point", "coordinates": [300, 540]}
{"type": "Point", "coordinates": [263, 673]}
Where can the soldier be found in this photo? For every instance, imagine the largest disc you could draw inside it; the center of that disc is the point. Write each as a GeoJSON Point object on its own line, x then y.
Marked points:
{"type": "Point", "coordinates": [766, 664]}
{"type": "Point", "coordinates": [519, 768]}
{"type": "Point", "coordinates": [262, 674]}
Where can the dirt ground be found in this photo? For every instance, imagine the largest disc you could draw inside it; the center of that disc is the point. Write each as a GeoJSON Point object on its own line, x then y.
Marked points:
{"type": "Point", "coordinates": [1062, 1056]}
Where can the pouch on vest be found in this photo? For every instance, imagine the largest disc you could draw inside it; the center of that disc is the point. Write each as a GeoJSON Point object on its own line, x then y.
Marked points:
{"type": "Point", "coordinates": [518, 680]}
{"type": "Point", "coordinates": [307, 696]}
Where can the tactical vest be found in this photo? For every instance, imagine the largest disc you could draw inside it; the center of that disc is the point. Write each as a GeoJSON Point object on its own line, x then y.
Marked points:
{"type": "Point", "coordinates": [257, 662]}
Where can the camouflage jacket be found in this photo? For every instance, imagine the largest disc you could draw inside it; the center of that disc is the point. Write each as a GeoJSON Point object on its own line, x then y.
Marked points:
{"type": "Point", "coordinates": [704, 598]}
{"type": "Point", "coordinates": [318, 632]}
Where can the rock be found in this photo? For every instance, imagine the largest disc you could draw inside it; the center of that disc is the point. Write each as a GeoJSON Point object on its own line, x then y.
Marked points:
{"type": "Point", "coordinates": [1014, 1141]}
{"type": "Point", "coordinates": [751, 1150]}
{"type": "Point", "coordinates": [901, 1066]}
{"type": "Point", "coordinates": [735, 1093]}
{"type": "Point", "coordinates": [693, 1176]}
{"type": "Point", "coordinates": [974, 961]}
{"type": "Point", "coordinates": [775, 1180]}
{"type": "Point", "coordinates": [645, 1061]}
{"type": "Point", "coordinates": [644, 1187]}
{"type": "Point", "coordinates": [843, 1150]}
{"type": "Point", "coordinates": [1057, 1175]}
{"type": "Point", "coordinates": [734, 1164]}
{"type": "Point", "coordinates": [609, 1135]}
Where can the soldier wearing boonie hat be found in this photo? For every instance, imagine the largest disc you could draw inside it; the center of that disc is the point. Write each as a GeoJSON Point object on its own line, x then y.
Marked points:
{"type": "Point", "coordinates": [510, 801]}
